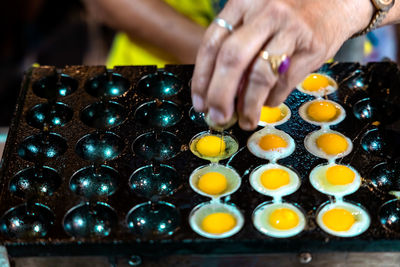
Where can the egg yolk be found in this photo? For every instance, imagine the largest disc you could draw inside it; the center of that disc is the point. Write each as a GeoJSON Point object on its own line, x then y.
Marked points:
{"type": "Point", "coordinates": [211, 146]}
{"type": "Point", "coordinates": [283, 219]}
{"type": "Point", "coordinates": [218, 223]}
{"type": "Point", "coordinates": [275, 178]}
{"type": "Point", "coordinates": [272, 142]}
{"type": "Point", "coordinates": [340, 175]}
{"type": "Point", "coordinates": [321, 111]}
{"type": "Point", "coordinates": [271, 115]}
{"type": "Point", "coordinates": [332, 144]}
{"type": "Point", "coordinates": [338, 219]}
{"type": "Point", "coordinates": [212, 183]}
{"type": "Point", "coordinates": [315, 82]}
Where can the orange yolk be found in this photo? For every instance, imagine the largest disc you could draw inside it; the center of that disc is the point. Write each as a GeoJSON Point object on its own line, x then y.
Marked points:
{"type": "Point", "coordinates": [272, 142]}
{"type": "Point", "coordinates": [218, 223]}
{"type": "Point", "coordinates": [338, 219]}
{"type": "Point", "coordinates": [211, 146]}
{"type": "Point", "coordinates": [283, 219]}
{"type": "Point", "coordinates": [332, 144]}
{"type": "Point", "coordinates": [340, 175]}
{"type": "Point", "coordinates": [275, 178]}
{"type": "Point", "coordinates": [322, 111]}
{"type": "Point", "coordinates": [271, 115]}
{"type": "Point", "coordinates": [315, 82]}
{"type": "Point", "coordinates": [213, 183]}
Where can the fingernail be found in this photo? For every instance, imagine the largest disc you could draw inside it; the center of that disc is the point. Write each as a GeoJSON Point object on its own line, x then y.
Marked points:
{"type": "Point", "coordinates": [246, 125]}
{"type": "Point", "coordinates": [216, 115]}
{"type": "Point", "coordinates": [198, 102]}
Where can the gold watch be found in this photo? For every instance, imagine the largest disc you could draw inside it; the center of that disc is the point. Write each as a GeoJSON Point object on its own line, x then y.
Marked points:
{"type": "Point", "coordinates": [382, 8]}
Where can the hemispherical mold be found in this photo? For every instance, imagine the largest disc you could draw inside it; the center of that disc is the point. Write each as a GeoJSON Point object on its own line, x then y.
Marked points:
{"type": "Point", "coordinates": [160, 84]}
{"type": "Point", "coordinates": [385, 176]}
{"type": "Point", "coordinates": [380, 142]}
{"type": "Point", "coordinates": [197, 117]}
{"type": "Point", "coordinates": [330, 88]}
{"type": "Point", "coordinates": [149, 181]}
{"type": "Point", "coordinates": [104, 115]}
{"type": "Point", "coordinates": [107, 85]}
{"type": "Point", "coordinates": [201, 211]}
{"type": "Point", "coordinates": [90, 220]}
{"type": "Point", "coordinates": [42, 146]}
{"type": "Point", "coordinates": [336, 119]}
{"type": "Point", "coordinates": [267, 119]}
{"type": "Point", "coordinates": [158, 146]}
{"type": "Point", "coordinates": [233, 179]}
{"type": "Point", "coordinates": [389, 215]}
{"type": "Point", "coordinates": [92, 181]}
{"type": "Point", "coordinates": [153, 219]}
{"type": "Point", "coordinates": [160, 114]}
{"type": "Point", "coordinates": [35, 181]}
{"type": "Point", "coordinates": [220, 127]}
{"type": "Point", "coordinates": [27, 221]}
{"type": "Point", "coordinates": [261, 219]}
{"type": "Point", "coordinates": [55, 86]}
{"type": "Point", "coordinates": [366, 110]}
{"type": "Point", "coordinates": [98, 147]}
{"type": "Point", "coordinates": [51, 115]}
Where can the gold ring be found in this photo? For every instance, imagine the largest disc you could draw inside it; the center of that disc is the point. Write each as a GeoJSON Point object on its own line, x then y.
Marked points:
{"type": "Point", "coordinates": [279, 63]}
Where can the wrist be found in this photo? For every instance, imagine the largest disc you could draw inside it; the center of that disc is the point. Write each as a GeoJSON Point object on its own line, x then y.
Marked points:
{"type": "Point", "coordinates": [358, 14]}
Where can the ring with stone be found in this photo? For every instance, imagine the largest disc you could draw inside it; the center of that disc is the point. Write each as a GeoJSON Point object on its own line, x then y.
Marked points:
{"type": "Point", "coordinates": [224, 24]}
{"type": "Point", "coordinates": [279, 63]}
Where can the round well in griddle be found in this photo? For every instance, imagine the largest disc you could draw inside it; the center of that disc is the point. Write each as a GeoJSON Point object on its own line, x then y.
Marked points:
{"type": "Point", "coordinates": [42, 146]}
{"type": "Point", "coordinates": [151, 220]}
{"type": "Point", "coordinates": [55, 86]}
{"type": "Point", "coordinates": [107, 85]}
{"type": "Point", "coordinates": [160, 114]}
{"type": "Point", "coordinates": [27, 221]}
{"type": "Point", "coordinates": [94, 181]}
{"type": "Point", "coordinates": [197, 117]}
{"type": "Point", "coordinates": [149, 181]}
{"type": "Point", "coordinates": [381, 142]}
{"type": "Point", "coordinates": [158, 146]}
{"type": "Point", "coordinates": [367, 110]}
{"type": "Point", "coordinates": [35, 181]}
{"type": "Point", "coordinates": [385, 176]}
{"type": "Point", "coordinates": [160, 84]}
{"type": "Point", "coordinates": [51, 115]}
{"type": "Point", "coordinates": [104, 115]}
{"type": "Point", "coordinates": [389, 215]}
{"type": "Point", "coordinates": [90, 220]}
{"type": "Point", "coordinates": [98, 147]}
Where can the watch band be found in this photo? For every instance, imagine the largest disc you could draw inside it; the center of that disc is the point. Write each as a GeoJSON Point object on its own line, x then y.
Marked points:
{"type": "Point", "coordinates": [375, 22]}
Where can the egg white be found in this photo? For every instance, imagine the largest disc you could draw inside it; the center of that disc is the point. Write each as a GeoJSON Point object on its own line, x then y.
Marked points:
{"type": "Point", "coordinates": [255, 149]}
{"type": "Point", "coordinates": [261, 220]}
{"type": "Point", "coordinates": [284, 109]}
{"type": "Point", "coordinates": [319, 181]}
{"type": "Point", "coordinates": [233, 179]}
{"type": "Point", "coordinates": [255, 181]}
{"type": "Point", "coordinates": [304, 115]}
{"type": "Point", "coordinates": [231, 146]}
{"type": "Point", "coordinates": [310, 143]}
{"type": "Point", "coordinates": [320, 93]}
{"type": "Point", "coordinates": [199, 212]}
{"type": "Point", "coordinates": [362, 218]}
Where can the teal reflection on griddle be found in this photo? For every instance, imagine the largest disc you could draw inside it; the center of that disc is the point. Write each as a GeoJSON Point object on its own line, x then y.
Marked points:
{"type": "Point", "coordinates": [94, 181]}
{"type": "Point", "coordinates": [52, 115]}
{"type": "Point", "coordinates": [160, 84]}
{"type": "Point", "coordinates": [149, 181]}
{"type": "Point", "coordinates": [35, 181]}
{"type": "Point", "coordinates": [27, 221]}
{"type": "Point", "coordinates": [153, 219]}
{"type": "Point", "coordinates": [161, 114]}
{"type": "Point", "coordinates": [161, 146]}
{"type": "Point", "coordinates": [389, 215]}
{"type": "Point", "coordinates": [55, 86]}
{"type": "Point", "coordinates": [104, 115]}
{"type": "Point", "coordinates": [99, 146]}
{"type": "Point", "coordinates": [107, 85]}
{"type": "Point", "coordinates": [41, 146]}
{"type": "Point", "coordinates": [197, 117]}
{"type": "Point", "coordinates": [90, 220]}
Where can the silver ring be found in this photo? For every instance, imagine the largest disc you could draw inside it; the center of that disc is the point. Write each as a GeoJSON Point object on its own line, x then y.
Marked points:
{"type": "Point", "coordinates": [224, 24]}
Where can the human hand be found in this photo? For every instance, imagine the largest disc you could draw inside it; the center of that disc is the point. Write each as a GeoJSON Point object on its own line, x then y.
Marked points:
{"type": "Point", "coordinates": [228, 65]}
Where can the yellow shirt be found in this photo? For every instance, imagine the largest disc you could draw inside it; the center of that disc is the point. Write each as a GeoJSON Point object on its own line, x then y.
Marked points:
{"type": "Point", "coordinates": [125, 52]}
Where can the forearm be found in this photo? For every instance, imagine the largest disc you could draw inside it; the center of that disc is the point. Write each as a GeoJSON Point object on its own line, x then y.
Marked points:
{"type": "Point", "coordinates": [154, 23]}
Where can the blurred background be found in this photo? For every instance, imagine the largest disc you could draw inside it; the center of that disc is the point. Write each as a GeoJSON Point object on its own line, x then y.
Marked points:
{"type": "Point", "coordinates": [62, 33]}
